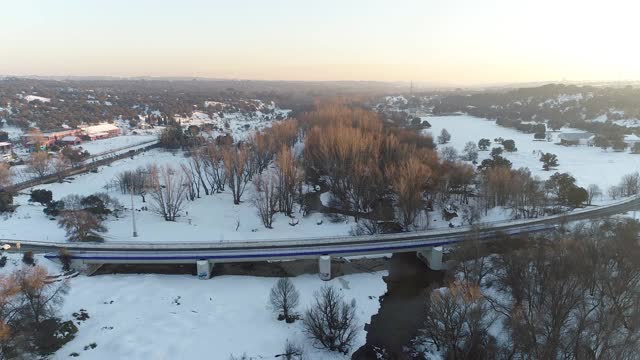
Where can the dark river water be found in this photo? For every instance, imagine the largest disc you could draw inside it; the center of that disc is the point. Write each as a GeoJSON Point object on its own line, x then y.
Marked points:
{"type": "Point", "coordinates": [401, 308]}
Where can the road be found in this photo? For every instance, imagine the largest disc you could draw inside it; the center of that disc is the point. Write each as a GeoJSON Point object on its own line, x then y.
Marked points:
{"type": "Point", "coordinates": [89, 164]}
{"type": "Point", "coordinates": [236, 251]}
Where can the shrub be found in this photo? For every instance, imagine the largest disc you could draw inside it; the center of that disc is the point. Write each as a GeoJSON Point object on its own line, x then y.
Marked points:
{"type": "Point", "coordinates": [28, 259]}
{"type": "Point", "coordinates": [95, 205]}
{"type": "Point", "coordinates": [577, 196]}
{"type": "Point", "coordinates": [53, 208]}
{"type": "Point", "coordinates": [52, 334]}
{"type": "Point", "coordinates": [6, 201]}
{"type": "Point", "coordinates": [41, 196]}
{"type": "Point", "coordinates": [292, 351]}
{"type": "Point", "coordinates": [65, 259]}
{"type": "Point", "coordinates": [509, 145]}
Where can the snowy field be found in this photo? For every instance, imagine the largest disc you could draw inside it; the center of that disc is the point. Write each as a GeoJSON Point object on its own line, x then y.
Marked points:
{"type": "Point", "coordinates": [98, 147]}
{"type": "Point", "coordinates": [15, 133]}
{"type": "Point", "coordinates": [210, 218]}
{"type": "Point", "coordinates": [589, 165]}
{"type": "Point", "coordinates": [148, 316]}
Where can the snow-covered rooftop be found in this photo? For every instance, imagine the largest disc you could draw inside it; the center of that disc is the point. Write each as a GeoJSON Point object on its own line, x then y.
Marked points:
{"type": "Point", "coordinates": [102, 128]}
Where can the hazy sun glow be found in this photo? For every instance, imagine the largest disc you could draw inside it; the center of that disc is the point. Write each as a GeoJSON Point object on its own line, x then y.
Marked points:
{"type": "Point", "coordinates": [445, 42]}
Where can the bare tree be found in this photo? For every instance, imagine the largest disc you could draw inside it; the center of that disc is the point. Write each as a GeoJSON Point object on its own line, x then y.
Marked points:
{"type": "Point", "coordinates": [41, 296]}
{"type": "Point", "coordinates": [39, 164]}
{"type": "Point", "coordinates": [331, 321]}
{"type": "Point", "coordinates": [5, 176]}
{"type": "Point", "coordinates": [471, 213]}
{"type": "Point", "coordinates": [138, 181]}
{"type": "Point", "coordinates": [289, 176]}
{"type": "Point", "coordinates": [449, 153]}
{"type": "Point", "coordinates": [630, 184]}
{"type": "Point", "coordinates": [60, 166]}
{"type": "Point", "coordinates": [293, 351]}
{"type": "Point", "coordinates": [29, 302]}
{"type": "Point", "coordinates": [470, 151]}
{"type": "Point", "coordinates": [168, 193]}
{"type": "Point", "coordinates": [614, 192]}
{"type": "Point", "coordinates": [36, 138]}
{"type": "Point", "coordinates": [266, 198]}
{"type": "Point", "coordinates": [284, 298]}
{"type": "Point", "coordinates": [215, 171]}
{"type": "Point", "coordinates": [408, 180]}
{"type": "Point", "coordinates": [196, 167]}
{"type": "Point", "coordinates": [244, 356]}
{"type": "Point", "coordinates": [457, 321]}
{"type": "Point", "coordinates": [593, 191]}
{"type": "Point", "coordinates": [81, 225]}
{"type": "Point", "coordinates": [544, 291]}
{"type": "Point", "coordinates": [262, 150]}
{"type": "Point", "coordinates": [444, 137]}
{"type": "Point", "coordinates": [238, 169]}
{"type": "Point", "coordinates": [191, 182]}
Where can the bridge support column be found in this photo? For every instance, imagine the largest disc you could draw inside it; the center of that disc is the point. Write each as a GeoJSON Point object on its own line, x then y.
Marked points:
{"type": "Point", "coordinates": [324, 266]}
{"type": "Point", "coordinates": [204, 269]}
{"type": "Point", "coordinates": [432, 258]}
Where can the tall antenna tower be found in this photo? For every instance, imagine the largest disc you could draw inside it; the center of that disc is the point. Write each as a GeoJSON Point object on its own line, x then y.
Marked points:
{"type": "Point", "coordinates": [411, 89]}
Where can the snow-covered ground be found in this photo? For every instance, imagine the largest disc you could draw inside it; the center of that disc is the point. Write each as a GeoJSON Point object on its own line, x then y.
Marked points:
{"type": "Point", "coordinates": [15, 133]}
{"type": "Point", "coordinates": [31, 98]}
{"type": "Point", "coordinates": [148, 316]}
{"type": "Point", "coordinates": [210, 218]}
{"type": "Point", "coordinates": [215, 218]}
{"type": "Point", "coordinates": [239, 125]}
{"type": "Point", "coordinates": [98, 147]}
{"type": "Point", "coordinates": [589, 165]}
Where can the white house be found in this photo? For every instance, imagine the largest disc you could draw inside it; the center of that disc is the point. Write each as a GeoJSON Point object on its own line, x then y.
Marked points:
{"type": "Point", "coordinates": [575, 138]}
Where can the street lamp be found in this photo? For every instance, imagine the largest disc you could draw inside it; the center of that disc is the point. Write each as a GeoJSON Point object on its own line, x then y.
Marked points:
{"type": "Point", "coordinates": [133, 213]}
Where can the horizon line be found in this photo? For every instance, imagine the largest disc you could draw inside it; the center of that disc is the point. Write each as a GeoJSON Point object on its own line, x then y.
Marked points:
{"type": "Point", "coordinates": [423, 83]}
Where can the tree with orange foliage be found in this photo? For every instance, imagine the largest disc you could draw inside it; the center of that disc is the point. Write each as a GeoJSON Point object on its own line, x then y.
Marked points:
{"type": "Point", "coordinates": [39, 164]}
{"type": "Point", "coordinates": [215, 171]}
{"type": "Point", "coordinates": [238, 169]}
{"type": "Point", "coordinates": [266, 198]}
{"type": "Point", "coordinates": [36, 138]}
{"type": "Point", "coordinates": [5, 176]}
{"type": "Point", "coordinates": [285, 132]}
{"type": "Point", "coordinates": [261, 150]}
{"type": "Point", "coordinates": [29, 302]}
{"type": "Point", "coordinates": [350, 158]}
{"type": "Point", "coordinates": [9, 306]}
{"type": "Point", "coordinates": [408, 180]}
{"type": "Point", "coordinates": [457, 320]}
{"type": "Point", "coordinates": [289, 177]}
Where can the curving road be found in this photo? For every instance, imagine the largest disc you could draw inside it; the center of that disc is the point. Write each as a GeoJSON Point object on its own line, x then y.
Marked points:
{"type": "Point", "coordinates": [178, 252]}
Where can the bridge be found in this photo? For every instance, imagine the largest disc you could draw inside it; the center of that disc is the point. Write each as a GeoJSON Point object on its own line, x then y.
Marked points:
{"type": "Point", "coordinates": [428, 244]}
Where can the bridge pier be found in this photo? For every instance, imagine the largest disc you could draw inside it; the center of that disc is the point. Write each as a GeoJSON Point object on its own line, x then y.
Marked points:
{"type": "Point", "coordinates": [324, 267]}
{"type": "Point", "coordinates": [204, 269]}
{"type": "Point", "coordinates": [432, 258]}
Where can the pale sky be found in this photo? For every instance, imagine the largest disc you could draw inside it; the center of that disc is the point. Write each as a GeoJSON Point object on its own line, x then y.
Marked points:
{"type": "Point", "coordinates": [438, 41]}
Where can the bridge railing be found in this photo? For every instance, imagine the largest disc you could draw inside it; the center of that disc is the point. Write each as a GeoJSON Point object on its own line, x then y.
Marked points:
{"type": "Point", "coordinates": [495, 226]}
